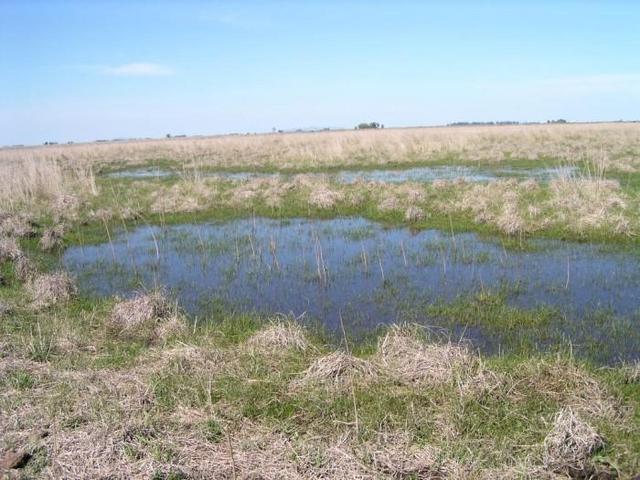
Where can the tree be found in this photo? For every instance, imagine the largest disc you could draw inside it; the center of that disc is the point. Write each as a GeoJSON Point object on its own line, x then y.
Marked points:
{"type": "Point", "coordinates": [364, 126]}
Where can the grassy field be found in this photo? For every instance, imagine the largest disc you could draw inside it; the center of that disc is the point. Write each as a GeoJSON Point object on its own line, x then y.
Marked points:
{"type": "Point", "coordinates": [135, 388]}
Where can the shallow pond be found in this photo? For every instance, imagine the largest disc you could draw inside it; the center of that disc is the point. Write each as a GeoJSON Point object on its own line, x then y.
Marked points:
{"type": "Point", "coordinates": [370, 275]}
{"type": "Point", "coordinates": [419, 174]}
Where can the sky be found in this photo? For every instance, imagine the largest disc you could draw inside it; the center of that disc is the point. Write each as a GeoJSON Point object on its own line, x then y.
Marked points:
{"type": "Point", "coordinates": [81, 71]}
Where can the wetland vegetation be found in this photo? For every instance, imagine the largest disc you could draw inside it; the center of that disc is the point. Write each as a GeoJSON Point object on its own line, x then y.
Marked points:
{"type": "Point", "coordinates": [414, 303]}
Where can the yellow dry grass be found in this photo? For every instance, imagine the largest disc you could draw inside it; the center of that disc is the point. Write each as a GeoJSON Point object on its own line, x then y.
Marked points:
{"type": "Point", "coordinates": [609, 142]}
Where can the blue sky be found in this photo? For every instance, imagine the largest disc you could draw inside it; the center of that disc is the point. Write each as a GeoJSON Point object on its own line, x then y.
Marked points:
{"type": "Point", "coordinates": [108, 69]}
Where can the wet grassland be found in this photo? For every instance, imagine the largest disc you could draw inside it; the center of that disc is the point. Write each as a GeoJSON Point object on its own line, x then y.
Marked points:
{"type": "Point", "coordinates": [447, 321]}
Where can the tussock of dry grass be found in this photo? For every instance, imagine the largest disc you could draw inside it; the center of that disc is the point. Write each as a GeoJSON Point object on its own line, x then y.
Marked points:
{"type": "Point", "coordinates": [570, 444]}
{"type": "Point", "coordinates": [572, 387]}
{"type": "Point", "coordinates": [250, 452]}
{"type": "Point", "coordinates": [9, 249]}
{"type": "Point", "coordinates": [24, 268]}
{"type": "Point", "coordinates": [337, 369]}
{"type": "Point", "coordinates": [389, 202]}
{"type": "Point", "coordinates": [587, 203]}
{"type": "Point", "coordinates": [497, 203]}
{"type": "Point", "coordinates": [144, 314]}
{"type": "Point", "coordinates": [5, 308]}
{"type": "Point", "coordinates": [279, 335]}
{"type": "Point", "coordinates": [50, 289]}
{"type": "Point", "coordinates": [414, 214]}
{"type": "Point", "coordinates": [52, 237]}
{"type": "Point", "coordinates": [65, 206]}
{"type": "Point", "coordinates": [325, 198]}
{"type": "Point", "coordinates": [95, 451]}
{"type": "Point", "coordinates": [189, 358]}
{"type": "Point", "coordinates": [183, 197]}
{"type": "Point", "coordinates": [16, 225]}
{"type": "Point", "coordinates": [632, 372]}
{"type": "Point", "coordinates": [408, 358]}
{"type": "Point", "coordinates": [396, 457]}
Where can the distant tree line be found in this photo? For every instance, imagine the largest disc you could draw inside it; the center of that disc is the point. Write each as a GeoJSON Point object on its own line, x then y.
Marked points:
{"type": "Point", "coordinates": [503, 122]}
{"type": "Point", "coordinates": [364, 126]}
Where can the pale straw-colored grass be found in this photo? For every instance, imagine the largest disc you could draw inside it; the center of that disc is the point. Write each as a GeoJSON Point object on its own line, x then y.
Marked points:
{"type": "Point", "coordinates": [570, 444]}
{"type": "Point", "coordinates": [608, 143]}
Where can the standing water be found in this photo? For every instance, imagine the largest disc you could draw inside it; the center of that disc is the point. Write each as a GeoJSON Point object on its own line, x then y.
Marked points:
{"type": "Point", "coordinates": [370, 275]}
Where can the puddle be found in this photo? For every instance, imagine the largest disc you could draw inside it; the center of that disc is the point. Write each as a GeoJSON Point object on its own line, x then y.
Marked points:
{"type": "Point", "coordinates": [371, 275]}
{"type": "Point", "coordinates": [141, 173]}
{"type": "Point", "coordinates": [420, 174]}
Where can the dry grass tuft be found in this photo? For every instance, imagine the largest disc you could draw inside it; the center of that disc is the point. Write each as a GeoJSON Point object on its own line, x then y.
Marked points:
{"type": "Point", "coordinates": [323, 197]}
{"type": "Point", "coordinates": [509, 221]}
{"type": "Point", "coordinates": [96, 451]}
{"type": "Point", "coordinates": [573, 387]}
{"type": "Point", "coordinates": [389, 203]}
{"type": "Point", "coordinates": [408, 358]}
{"type": "Point", "coordinates": [9, 249]}
{"type": "Point", "coordinates": [52, 237]}
{"type": "Point", "coordinates": [279, 335]}
{"type": "Point", "coordinates": [24, 268]}
{"type": "Point", "coordinates": [251, 452]}
{"type": "Point", "coordinates": [16, 225]}
{"type": "Point", "coordinates": [65, 207]}
{"type": "Point", "coordinates": [186, 358]}
{"type": "Point", "coordinates": [146, 314]}
{"type": "Point", "coordinates": [414, 214]}
{"type": "Point", "coordinates": [569, 445]}
{"type": "Point", "coordinates": [5, 308]}
{"type": "Point", "coordinates": [51, 289]}
{"type": "Point", "coordinates": [338, 369]}
{"type": "Point", "coordinates": [395, 457]}
{"type": "Point", "coordinates": [586, 203]}
{"type": "Point", "coordinates": [632, 372]}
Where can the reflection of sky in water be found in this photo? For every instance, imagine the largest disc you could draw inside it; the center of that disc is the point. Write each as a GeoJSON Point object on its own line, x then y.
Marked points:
{"type": "Point", "coordinates": [367, 273]}
{"type": "Point", "coordinates": [420, 174]}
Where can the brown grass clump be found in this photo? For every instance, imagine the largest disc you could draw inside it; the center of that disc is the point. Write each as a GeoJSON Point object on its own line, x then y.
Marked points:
{"type": "Point", "coordinates": [279, 335]}
{"type": "Point", "coordinates": [395, 457]}
{"type": "Point", "coordinates": [323, 197]}
{"type": "Point", "coordinates": [509, 221]}
{"type": "Point", "coordinates": [65, 207]}
{"type": "Point", "coordinates": [571, 386]}
{"type": "Point", "coordinates": [586, 203]}
{"type": "Point", "coordinates": [15, 225]}
{"type": "Point", "coordinates": [51, 289]}
{"type": "Point", "coordinates": [146, 314]}
{"type": "Point", "coordinates": [52, 237]}
{"type": "Point", "coordinates": [186, 358]}
{"type": "Point", "coordinates": [97, 451]}
{"type": "Point", "coordinates": [569, 445]}
{"type": "Point", "coordinates": [24, 268]}
{"type": "Point", "coordinates": [411, 360]}
{"type": "Point", "coordinates": [9, 249]}
{"type": "Point", "coordinates": [337, 369]}
{"type": "Point", "coordinates": [250, 452]}
{"type": "Point", "coordinates": [181, 197]}
{"type": "Point", "coordinates": [414, 214]}
{"type": "Point", "coordinates": [389, 202]}
{"type": "Point", "coordinates": [5, 308]}
{"type": "Point", "coordinates": [632, 372]}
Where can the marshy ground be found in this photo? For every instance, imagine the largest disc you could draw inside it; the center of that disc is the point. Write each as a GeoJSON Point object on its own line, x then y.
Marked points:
{"type": "Point", "coordinates": [420, 303]}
